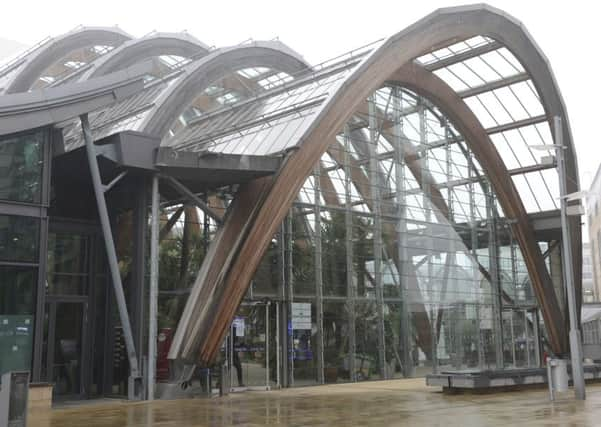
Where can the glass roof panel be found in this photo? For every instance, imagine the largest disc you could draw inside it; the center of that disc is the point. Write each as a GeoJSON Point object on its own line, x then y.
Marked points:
{"type": "Point", "coordinates": [503, 62]}
{"type": "Point", "coordinates": [454, 49]}
{"type": "Point", "coordinates": [253, 72]}
{"type": "Point", "coordinates": [480, 110]}
{"type": "Point", "coordinates": [275, 80]}
{"type": "Point", "coordinates": [528, 98]}
{"type": "Point", "coordinates": [511, 59]}
{"type": "Point", "coordinates": [71, 64]}
{"type": "Point", "coordinates": [467, 75]}
{"type": "Point", "coordinates": [482, 69]}
{"type": "Point", "coordinates": [271, 123]}
{"type": "Point", "coordinates": [451, 79]}
{"type": "Point", "coordinates": [538, 190]}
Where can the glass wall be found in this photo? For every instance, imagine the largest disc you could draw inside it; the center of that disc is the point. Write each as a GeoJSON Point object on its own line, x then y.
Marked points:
{"type": "Point", "coordinates": [395, 260]}
{"type": "Point", "coordinates": [67, 269]}
{"type": "Point", "coordinates": [18, 245]}
{"type": "Point", "coordinates": [21, 164]}
{"type": "Point", "coordinates": [19, 238]}
{"type": "Point", "coordinates": [408, 263]}
{"type": "Point", "coordinates": [21, 170]}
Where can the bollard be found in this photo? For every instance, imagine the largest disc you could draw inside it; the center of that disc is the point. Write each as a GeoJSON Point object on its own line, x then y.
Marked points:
{"type": "Point", "coordinates": [557, 376]}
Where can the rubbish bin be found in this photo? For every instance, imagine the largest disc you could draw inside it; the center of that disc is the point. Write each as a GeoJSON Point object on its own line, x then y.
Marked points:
{"type": "Point", "coordinates": [557, 376]}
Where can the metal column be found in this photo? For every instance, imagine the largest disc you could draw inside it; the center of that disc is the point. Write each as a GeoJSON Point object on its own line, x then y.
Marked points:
{"type": "Point", "coordinates": [283, 308]}
{"type": "Point", "coordinates": [401, 236]}
{"type": "Point", "coordinates": [428, 207]}
{"type": "Point", "coordinates": [318, 277]}
{"type": "Point", "coordinates": [376, 203]}
{"type": "Point", "coordinates": [473, 238]}
{"type": "Point", "coordinates": [40, 306]}
{"type": "Point", "coordinates": [451, 260]}
{"type": "Point", "coordinates": [290, 294]}
{"type": "Point", "coordinates": [136, 289]}
{"type": "Point", "coordinates": [348, 225]}
{"type": "Point", "coordinates": [495, 276]}
{"type": "Point", "coordinates": [568, 270]}
{"type": "Point", "coordinates": [135, 378]}
{"type": "Point", "coordinates": [154, 287]}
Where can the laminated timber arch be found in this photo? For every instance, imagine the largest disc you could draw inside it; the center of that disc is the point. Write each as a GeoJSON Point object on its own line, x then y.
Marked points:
{"type": "Point", "coordinates": [260, 206]}
{"type": "Point", "coordinates": [134, 51]}
{"type": "Point", "coordinates": [200, 74]}
{"type": "Point", "coordinates": [47, 55]}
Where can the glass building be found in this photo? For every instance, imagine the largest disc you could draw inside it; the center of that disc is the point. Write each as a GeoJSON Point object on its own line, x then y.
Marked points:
{"type": "Point", "coordinates": [166, 206]}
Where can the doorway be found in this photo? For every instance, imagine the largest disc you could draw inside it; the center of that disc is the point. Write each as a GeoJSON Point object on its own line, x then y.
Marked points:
{"type": "Point", "coordinates": [521, 342]}
{"type": "Point", "coordinates": [66, 324]}
{"type": "Point", "coordinates": [252, 355]}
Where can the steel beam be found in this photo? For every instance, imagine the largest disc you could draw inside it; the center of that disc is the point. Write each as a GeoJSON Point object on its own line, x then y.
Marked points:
{"type": "Point", "coordinates": [496, 285]}
{"type": "Point", "coordinates": [350, 287]}
{"type": "Point", "coordinates": [111, 254]}
{"type": "Point", "coordinates": [319, 274]}
{"type": "Point", "coordinates": [184, 191]}
{"type": "Point", "coordinates": [517, 124]}
{"type": "Point", "coordinates": [496, 84]}
{"type": "Point", "coordinates": [408, 366]}
{"type": "Point", "coordinates": [568, 270]}
{"type": "Point", "coordinates": [154, 287]}
{"type": "Point", "coordinates": [372, 149]}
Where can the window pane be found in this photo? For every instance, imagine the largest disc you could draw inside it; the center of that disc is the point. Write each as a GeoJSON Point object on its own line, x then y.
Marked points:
{"type": "Point", "coordinates": [21, 167]}
{"type": "Point", "coordinates": [17, 286]}
{"type": "Point", "coordinates": [17, 297]}
{"type": "Point", "coordinates": [66, 253]}
{"type": "Point", "coordinates": [19, 238]}
{"type": "Point", "coordinates": [67, 264]}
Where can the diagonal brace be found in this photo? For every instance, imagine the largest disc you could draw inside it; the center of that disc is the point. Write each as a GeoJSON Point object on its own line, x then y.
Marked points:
{"type": "Point", "coordinates": [110, 252]}
{"type": "Point", "coordinates": [184, 191]}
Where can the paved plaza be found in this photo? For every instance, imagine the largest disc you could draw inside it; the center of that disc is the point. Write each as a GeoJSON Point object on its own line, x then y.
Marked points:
{"type": "Point", "coordinates": [382, 403]}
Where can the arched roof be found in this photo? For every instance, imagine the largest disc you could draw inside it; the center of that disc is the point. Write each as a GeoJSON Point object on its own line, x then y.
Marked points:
{"type": "Point", "coordinates": [137, 50]}
{"type": "Point", "coordinates": [156, 108]}
{"type": "Point", "coordinates": [260, 211]}
{"type": "Point", "coordinates": [200, 74]}
{"type": "Point", "coordinates": [49, 53]}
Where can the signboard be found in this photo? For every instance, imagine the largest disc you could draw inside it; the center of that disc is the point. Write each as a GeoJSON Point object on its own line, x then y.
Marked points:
{"type": "Point", "coordinates": [16, 339]}
{"type": "Point", "coordinates": [301, 315]}
{"type": "Point", "coordinates": [238, 325]}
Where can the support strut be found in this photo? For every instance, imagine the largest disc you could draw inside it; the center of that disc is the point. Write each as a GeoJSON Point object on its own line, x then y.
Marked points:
{"type": "Point", "coordinates": [135, 379]}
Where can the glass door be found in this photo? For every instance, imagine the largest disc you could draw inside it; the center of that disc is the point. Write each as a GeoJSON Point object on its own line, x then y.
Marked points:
{"type": "Point", "coordinates": [65, 323]}
{"type": "Point", "coordinates": [252, 355]}
{"type": "Point", "coordinates": [521, 338]}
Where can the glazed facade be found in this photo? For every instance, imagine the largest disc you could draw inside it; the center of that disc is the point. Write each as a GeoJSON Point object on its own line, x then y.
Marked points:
{"type": "Point", "coordinates": [379, 215]}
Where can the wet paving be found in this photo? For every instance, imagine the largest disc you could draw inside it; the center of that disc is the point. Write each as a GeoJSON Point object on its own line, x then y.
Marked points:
{"type": "Point", "coordinates": [382, 403]}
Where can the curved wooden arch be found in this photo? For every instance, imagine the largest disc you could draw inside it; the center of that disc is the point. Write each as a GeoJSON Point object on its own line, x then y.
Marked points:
{"type": "Point", "coordinates": [39, 60]}
{"type": "Point", "coordinates": [134, 51]}
{"type": "Point", "coordinates": [204, 334]}
{"type": "Point", "coordinates": [430, 86]}
{"type": "Point", "coordinates": [200, 74]}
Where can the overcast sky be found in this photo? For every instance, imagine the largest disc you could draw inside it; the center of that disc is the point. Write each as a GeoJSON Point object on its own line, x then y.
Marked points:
{"type": "Point", "coordinates": [568, 33]}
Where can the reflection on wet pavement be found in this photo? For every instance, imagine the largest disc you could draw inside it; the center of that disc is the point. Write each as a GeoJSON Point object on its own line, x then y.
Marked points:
{"type": "Point", "coordinates": [382, 403]}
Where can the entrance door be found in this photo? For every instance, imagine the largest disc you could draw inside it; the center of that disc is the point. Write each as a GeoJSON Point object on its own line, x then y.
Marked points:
{"type": "Point", "coordinates": [521, 338]}
{"type": "Point", "coordinates": [252, 355]}
{"type": "Point", "coordinates": [66, 326]}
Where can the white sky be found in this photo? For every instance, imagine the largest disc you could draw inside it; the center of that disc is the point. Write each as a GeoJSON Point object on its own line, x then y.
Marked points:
{"type": "Point", "coordinates": [568, 32]}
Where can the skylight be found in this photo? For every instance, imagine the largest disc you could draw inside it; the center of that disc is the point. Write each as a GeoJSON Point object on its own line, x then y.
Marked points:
{"type": "Point", "coordinates": [274, 80]}
{"type": "Point", "coordinates": [251, 73]}
{"type": "Point", "coordinates": [227, 98]}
